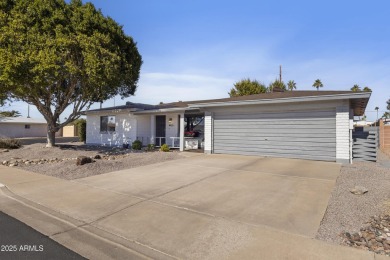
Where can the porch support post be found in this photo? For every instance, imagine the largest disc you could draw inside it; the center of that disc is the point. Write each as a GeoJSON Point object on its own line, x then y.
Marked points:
{"type": "Point", "coordinates": [152, 129]}
{"type": "Point", "coordinates": [181, 132]}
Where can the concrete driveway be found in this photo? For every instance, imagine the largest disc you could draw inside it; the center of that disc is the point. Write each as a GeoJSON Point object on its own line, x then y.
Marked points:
{"type": "Point", "coordinates": [199, 207]}
{"type": "Point", "coordinates": [289, 195]}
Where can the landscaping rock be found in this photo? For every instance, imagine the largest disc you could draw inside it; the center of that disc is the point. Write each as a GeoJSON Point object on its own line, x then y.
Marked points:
{"type": "Point", "coordinates": [5, 151]}
{"type": "Point", "coordinates": [97, 157]}
{"type": "Point", "coordinates": [372, 237]}
{"type": "Point", "coordinates": [81, 160]}
{"type": "Point", "coordinates": [358, 190]}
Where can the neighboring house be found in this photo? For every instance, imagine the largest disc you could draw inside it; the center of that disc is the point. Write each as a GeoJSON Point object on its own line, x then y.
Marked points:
{"type": "Point", "coordinates": [294, 124]}
{"type": "Point", "coordinates": [17, 127]}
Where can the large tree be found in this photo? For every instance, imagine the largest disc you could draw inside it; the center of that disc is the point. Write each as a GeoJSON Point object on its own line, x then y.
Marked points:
{"type": "Point", "coordinates": [247, 87]}
{"type": "Point", "coordinates": [55, 55]}
{"type": "Point", "coordinates": [276, 84]}
{"type": "Point", "coordinates": [388, 104]}
{"type": "Point", "coordinates": [12, 113]}
{"type": "Point", "coordinates": [367, 89]}
{"type": "Point", "coordinates": [317, 84]}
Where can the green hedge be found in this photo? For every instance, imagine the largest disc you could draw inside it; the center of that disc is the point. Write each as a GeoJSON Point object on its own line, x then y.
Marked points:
{"type": "Point", "coordinates": [82, 129]}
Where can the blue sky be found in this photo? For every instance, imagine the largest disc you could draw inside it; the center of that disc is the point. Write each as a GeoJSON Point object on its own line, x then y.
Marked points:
{"type": "Point", "coordinates": [199, 49]}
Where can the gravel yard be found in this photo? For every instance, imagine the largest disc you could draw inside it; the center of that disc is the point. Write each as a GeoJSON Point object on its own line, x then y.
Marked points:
{"type": "Point", "coordinates": [61, 161]}
{"type": "Point", "coordinates": [349, 212]}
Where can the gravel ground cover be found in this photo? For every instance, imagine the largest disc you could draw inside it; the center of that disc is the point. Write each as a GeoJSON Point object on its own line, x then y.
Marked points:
{"type": "Point", "coordinates": [61, 161]}
{"type": "Point", "coordinates": [347, 212]}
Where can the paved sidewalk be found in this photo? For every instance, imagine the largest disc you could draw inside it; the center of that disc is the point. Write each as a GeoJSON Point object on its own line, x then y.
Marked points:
{"type": "Point", "coordinates": [103, 222]}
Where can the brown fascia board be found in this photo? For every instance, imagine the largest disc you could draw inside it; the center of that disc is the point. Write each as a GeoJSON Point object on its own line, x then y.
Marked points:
{"type": "Point", "coordinates": [252, 100]}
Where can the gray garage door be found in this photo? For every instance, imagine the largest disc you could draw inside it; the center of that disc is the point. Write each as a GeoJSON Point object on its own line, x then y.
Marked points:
{"type": "Point", "coordinates": [296, 134]}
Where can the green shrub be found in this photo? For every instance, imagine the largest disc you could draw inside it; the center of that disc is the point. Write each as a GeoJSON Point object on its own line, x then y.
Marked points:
{"type": "Point", "coordinates": [137, 145]}
{"type": "Point", "coordinates": [10, 143]}
{"type": "Point", "coordinates": [82, 129]}
{"type": "Point", "coordinates": [164, 148]}
{"type": "Point", "coordinates": [150, 147]}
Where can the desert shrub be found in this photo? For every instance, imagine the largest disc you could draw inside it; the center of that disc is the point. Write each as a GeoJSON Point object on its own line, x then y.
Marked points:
{"type": "Point", "coordinates": [10, 143]}
{"type": "Point", "coordinates": [82, 129]}
{"type": "Point", "coordinates": [150, 147]}
{"type": "Point", "coordinates": [164, 148]}
{"type": "Point", "coordinates": [137, 145]}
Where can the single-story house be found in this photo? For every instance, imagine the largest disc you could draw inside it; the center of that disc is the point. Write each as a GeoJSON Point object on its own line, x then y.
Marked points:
{"type": "Point", "coordinates": [17, 127]}
{"type": "Point", "coordinates": [314, 125]}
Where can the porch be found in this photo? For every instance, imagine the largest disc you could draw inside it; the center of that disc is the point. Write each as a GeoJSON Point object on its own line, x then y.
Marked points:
{"type": "Point", "coordinates": [183, 131]}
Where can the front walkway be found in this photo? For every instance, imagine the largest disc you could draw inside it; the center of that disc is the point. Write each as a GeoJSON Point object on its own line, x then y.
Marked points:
{"type": "Point", "coordinates": [201, 207]}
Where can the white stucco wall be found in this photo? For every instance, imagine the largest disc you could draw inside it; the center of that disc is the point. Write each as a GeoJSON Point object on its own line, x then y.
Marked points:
{"type": "Point", "coordinates": [144, 128]}
{"type": "Point", "coordinates": [125, 129]}
{"type": "Point", "coordinates": [16, 130]}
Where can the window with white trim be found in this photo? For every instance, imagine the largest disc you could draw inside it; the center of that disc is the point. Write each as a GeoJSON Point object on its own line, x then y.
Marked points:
{"type": "Point", "coordinates": [107, 124]}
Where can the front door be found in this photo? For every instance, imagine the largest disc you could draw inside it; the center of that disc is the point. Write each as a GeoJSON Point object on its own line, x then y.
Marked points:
{"type": "Point", "coordinates": [160, 130]}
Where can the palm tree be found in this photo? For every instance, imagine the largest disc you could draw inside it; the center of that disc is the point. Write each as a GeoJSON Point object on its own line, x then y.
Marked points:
{"type": "Point", "coordinates": [367, 89]}
{"type": "Point", "coordinates": [377, 110]}
{"type": "Point", "coordinates": [291, 85]}
{"type": "Point", "coordinates": [356, 88]}
{"type": "Point", "coordinates": [318, 84]}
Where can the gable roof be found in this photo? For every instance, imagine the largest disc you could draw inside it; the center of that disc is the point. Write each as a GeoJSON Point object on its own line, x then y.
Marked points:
{"type": "Point", "coordinates": [359, 101]}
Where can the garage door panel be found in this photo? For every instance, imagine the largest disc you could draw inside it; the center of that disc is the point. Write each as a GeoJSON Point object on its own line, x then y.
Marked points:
{"type": "Point", "coordinates": [278, 122]}
{"type": "Point", "coordinates": [285, 130]}
{"type": "Point", "coordinates": [271, 148]}
{"type": "Point", "coordinates": [295, 134]}
{"type": "Point", "coordinates": [276, 115]}
{"type": "Point", "coordinates": [289, 136]}
{"type": "Point", "coordinates": [279, 143]}
{"type": "Point", "coordinates": [256, 126]}
{"type": "Point", "coordinates": [311, 156]}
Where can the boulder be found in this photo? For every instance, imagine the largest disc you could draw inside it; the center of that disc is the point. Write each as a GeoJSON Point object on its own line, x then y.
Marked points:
{"type": "Point", "coordinates": [358, 190]}
{"type": "Point", "coordinates": [81, 160]}
{"type": "Point", "coordinates": [98, 157]}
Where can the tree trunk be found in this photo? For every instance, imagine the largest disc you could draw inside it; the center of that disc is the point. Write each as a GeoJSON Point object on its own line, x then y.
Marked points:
{"type": "Point", "coordinates": [51, 138]}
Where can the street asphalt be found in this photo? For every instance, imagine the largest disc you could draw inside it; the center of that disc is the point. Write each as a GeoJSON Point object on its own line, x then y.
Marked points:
{"type": "Point", "coordinates": [19, 241]}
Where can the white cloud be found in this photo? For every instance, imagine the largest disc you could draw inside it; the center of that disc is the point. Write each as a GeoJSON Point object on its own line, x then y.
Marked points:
{"type": "Point", "coordinates": [169, 87]}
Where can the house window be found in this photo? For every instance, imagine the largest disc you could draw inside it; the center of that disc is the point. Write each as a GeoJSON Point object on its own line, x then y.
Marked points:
{"type": "Point", "coordinates": [107, 124]}
{"type": "Point", "coordinates": [26, 126]}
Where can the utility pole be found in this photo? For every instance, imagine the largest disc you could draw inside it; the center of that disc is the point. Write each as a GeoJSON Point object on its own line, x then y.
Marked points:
{"type": "Point", "coordinates": [280, 73]}
{"type": "Point", "coordinates": [28, 110]}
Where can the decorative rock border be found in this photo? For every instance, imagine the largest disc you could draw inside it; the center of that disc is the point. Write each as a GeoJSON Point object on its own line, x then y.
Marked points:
{"type": "Point", "coordinates": [110, 156]}
{"type": "Point", "coordinates": [374, 236]}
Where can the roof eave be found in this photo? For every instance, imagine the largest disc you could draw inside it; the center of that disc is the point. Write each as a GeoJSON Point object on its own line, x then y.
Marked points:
{"type": "Point", "coordinates": [361, 95]}
{"type": "Point", "coordinates": [163, 110]}
{"type": "Point", "coordinates": [121, 110]}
